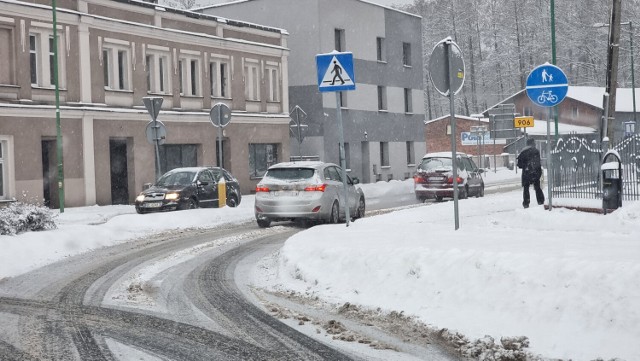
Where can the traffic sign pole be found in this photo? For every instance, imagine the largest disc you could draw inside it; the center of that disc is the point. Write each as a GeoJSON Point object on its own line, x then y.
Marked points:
{"type": "Point", "coordinates": [336, 73]}
{"type": "Point", "coordinates": [547, 86]}
{"type": "Point", "coordinates": [452, 110]}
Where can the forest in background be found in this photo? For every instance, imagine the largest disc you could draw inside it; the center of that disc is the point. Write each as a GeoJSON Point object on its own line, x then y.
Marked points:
{"type": "Point", "coordinates": [503, 40]}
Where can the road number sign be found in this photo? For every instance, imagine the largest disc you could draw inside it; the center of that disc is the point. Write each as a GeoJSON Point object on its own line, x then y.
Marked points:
{"type": "Point", "coordinates": [523, 122]}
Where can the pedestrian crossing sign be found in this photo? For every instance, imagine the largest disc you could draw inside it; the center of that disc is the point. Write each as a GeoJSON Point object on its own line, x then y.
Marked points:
{"type": "Point", "coordinates": [335, 72]}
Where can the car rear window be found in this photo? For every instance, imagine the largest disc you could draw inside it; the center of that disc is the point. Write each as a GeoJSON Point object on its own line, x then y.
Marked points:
{"type": "Point", "coordinates": [433, 164]}
{"type": "Point", "coordinates": [290, 173]}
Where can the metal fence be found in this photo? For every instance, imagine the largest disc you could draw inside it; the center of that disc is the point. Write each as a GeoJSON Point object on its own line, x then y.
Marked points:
{"type": "Point", "coordinates": [576, 168]}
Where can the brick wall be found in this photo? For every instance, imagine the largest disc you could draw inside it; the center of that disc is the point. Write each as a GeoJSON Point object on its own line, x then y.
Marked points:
{"type": "Point", "coordinates": [439, 141]}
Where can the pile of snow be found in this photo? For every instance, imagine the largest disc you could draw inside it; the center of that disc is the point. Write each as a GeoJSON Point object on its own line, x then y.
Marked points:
{"type": "Point", "coordinates": [20, 217]}
{"type": "Point", "coordinates": [567, 280]}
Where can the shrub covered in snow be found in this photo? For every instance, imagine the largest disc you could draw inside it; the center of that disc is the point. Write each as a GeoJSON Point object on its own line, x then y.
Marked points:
{"type": "Point", "coordinates": [21, 217]}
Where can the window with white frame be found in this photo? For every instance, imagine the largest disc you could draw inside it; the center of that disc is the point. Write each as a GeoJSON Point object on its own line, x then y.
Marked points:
{"type": "Point", "coordinates": [116, 63]}
{"type": "Point", "coordinates": [42, 58]}
{"type": "Point", "coordinates": [158, 73]}
{"type": "Point", "coordinates": [189, 76]}
{"type": "Point", "coordinates": [273, 81]}
{"type": "Point", "coordinates": [219, 78]}
{"type": "Point", "coordinates": [574, 112]}
{"type": "Point", "coordinates": [252, 81]}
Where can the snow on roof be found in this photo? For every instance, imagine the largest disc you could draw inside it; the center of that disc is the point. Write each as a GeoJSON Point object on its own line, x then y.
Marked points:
{"type": "Point", "coordinates": [464, 117]}
{"type": "Point", "coordinates": [593, 96]}
{"type": "Point", "coordinates": [540, 128]}
{"type": "Point", "coordinates": [246, 1]}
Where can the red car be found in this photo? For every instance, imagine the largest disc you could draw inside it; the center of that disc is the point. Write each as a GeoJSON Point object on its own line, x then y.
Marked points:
{"type": "Point", "coordinates": [434, 177]}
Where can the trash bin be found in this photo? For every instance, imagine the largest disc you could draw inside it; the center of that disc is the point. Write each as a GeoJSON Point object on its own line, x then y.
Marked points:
{"type": "Point", "coordinates": [611, 181]}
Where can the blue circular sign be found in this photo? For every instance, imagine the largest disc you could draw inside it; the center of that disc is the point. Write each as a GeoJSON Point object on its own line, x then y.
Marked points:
{"type": "Point", "coordinates": [547, 85]}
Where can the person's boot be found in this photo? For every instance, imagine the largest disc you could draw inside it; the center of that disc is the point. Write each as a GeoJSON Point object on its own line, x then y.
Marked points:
{"type": "Point", "coordinates": [525, 205]}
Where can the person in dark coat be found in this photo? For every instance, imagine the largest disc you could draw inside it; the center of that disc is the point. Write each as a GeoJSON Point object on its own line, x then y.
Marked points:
{"type": "Point", "coordinates": [529, 162]}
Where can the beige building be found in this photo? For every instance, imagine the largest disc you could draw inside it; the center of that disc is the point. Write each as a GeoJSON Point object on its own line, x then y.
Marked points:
{"type": "Point", "coordinates": [111, 54]}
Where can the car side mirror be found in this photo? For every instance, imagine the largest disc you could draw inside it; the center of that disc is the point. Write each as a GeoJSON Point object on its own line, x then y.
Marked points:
{"type": "Point", "coordinates": [201, 183]}
{"type": "Point", "coordinates": [355, 180]}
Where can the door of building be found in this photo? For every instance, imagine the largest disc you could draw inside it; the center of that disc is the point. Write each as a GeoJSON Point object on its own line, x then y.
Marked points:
{"type": "Point", "coordinates": [119, 173]}
{"type": "Point", "coordinates": [50, 174]}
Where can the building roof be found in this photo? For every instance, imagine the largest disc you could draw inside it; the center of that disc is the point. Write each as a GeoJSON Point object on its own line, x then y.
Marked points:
{"type": "Point", "coordinates": [245, 1]}
{"type": "Point", "coordinates": [464, 117]}
{"type": "Point", "coordinates": [593, 96]}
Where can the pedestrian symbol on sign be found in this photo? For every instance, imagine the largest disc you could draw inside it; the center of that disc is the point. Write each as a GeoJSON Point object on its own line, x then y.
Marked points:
{"type": "Point", "coordinates": [334, 73]}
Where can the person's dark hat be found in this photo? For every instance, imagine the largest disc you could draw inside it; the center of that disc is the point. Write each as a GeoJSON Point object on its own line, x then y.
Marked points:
{"type": "Point", "coordinates": [531, 142]}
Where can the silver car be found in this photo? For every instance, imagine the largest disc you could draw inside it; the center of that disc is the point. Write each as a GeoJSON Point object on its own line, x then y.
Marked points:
{"type": "Point", "coordinates": [309, 191]}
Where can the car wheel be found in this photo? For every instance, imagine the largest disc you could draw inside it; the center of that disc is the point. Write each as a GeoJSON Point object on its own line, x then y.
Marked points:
{"type": "Point", "coordinates": [438, 198]}
{"type": "Point", "coordinates": [232, 201]}
{"type": "Point", "coordinates": [420, 199]}
{"type": "Point", "coordinates": [361, 208]}
{"type": "Point", "coordinates": [190, 204]}
{"type": "Point", "coordinates": [263, 223]}
{"type": "Point", "coordinates": [140, 210]}
{"type": "Point", "coordinates": [334, 217]}
{"type": "Point", "coordinates": [481, 191]}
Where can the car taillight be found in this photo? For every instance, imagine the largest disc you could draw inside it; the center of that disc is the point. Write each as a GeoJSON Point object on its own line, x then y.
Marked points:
{"type": "Point", "coordinates": [419, 179]}
{"type": "Point", "coordinates": [316, 188]}
{"type": "Point", "coordinates": [262, 189]}
{"type": "Point", "coordinates": [450, 180]}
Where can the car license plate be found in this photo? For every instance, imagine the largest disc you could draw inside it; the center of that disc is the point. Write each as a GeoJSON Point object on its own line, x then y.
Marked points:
{"type": "Point", "coordinates": [285, 194]}
{"type": "Point", "coordinates": [152, 205]}
{"type": "Point", "coordinates": [436, 179]}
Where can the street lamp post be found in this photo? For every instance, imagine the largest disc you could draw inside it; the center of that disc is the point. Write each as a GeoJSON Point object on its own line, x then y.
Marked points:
{"type": "Point", "coordinates": [58, 127]}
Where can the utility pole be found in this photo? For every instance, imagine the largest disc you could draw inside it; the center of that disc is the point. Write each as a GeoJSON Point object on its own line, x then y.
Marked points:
{"type": "Point", "coordinates": [612, 70]}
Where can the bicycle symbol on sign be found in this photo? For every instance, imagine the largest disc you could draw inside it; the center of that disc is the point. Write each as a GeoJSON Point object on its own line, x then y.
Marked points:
{"type": "Point", "coordinates": [547, 96]}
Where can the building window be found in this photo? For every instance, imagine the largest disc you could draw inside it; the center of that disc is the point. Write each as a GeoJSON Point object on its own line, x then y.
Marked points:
{"type": "Point", "coordinates": [42, 59]}
{"type": "Point", "coordinates": [6, 57]}
{"type": "Point", "coordinates": [218, 76]}
{"type": "Point", "coordinates": [339, 40]}
{"type": "Point", "coordinates": [382, 98]}
{"type": "Point", "coordinates": [273, 82]}
{"type": "Point", "coordinates": [411, 157]}
{"type": "Point", "coordinates": [252, 81]}
{"type": "Point", "coordinates": [261, 157]}
{"type": "Point", "coordinates": [408, 101]}
{"type": "Point", "coordinates": [347, 156]}
{"type": "Point", "coordinates": [174, 156]}
{"type": "Point", "coordinates": [117, 67]}
{"type": "Point", "coordinates": [343, 99]}
{"type": "Point", "coordinates": [406, 54]}
{"type": "Point", "coordinates": [574, 112]}
{"type": "Point", "coordinates": [448, 131]}
{"type": "Point", "coordinates": [527, 112]}
{"type": "Point", "coordinates": [380, 53]}
{"type": "Point", "coordinates": [189, 76]}
{"type": "Point", "coordinates": [33, 58]}
{"type": "Point", "coordinates": [384, 154]}
{"type": "Point", "coordinates": [157, 73]}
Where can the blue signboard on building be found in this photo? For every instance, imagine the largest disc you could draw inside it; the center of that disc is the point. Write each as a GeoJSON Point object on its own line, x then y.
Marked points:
{"type": "Point", "coordinates": [547, 85]}
{"type": "Point", "coordinates": [335, 72]}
